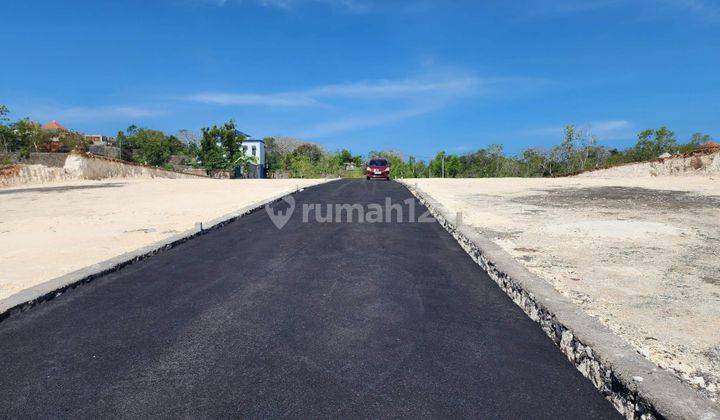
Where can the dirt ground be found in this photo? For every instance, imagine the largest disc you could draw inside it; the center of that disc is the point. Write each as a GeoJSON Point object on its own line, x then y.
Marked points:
{"type": "Point", "coordinates": [53, 229]}
{"type": "Point", "coordinates": [640, 254]}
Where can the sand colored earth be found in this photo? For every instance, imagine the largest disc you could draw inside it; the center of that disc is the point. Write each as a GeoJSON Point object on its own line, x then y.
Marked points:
{"type": "Point", "coordinates": [53, 229]}
{"type": "Point", "coordinates": [642, 254]}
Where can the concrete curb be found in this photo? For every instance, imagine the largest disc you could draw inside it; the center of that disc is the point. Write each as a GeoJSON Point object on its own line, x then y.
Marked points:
{"type": "Point", "coordinates": [636, 387]}
{"type": "Point", "coordinates": [50, 289]}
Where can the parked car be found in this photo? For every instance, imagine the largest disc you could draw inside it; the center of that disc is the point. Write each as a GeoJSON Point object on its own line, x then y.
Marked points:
{"type": "Point", "coordinates": [378, 168]}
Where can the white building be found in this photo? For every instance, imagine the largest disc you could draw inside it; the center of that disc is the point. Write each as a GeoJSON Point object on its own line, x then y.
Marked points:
{"type": "Point", "coordinates": [256, 148]}
{"type": "Point", "coordinates": [98, 139]}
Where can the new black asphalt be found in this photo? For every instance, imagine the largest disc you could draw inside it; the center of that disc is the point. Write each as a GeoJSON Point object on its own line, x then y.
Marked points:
{"type": "Point", "coordinates": [315, 320]}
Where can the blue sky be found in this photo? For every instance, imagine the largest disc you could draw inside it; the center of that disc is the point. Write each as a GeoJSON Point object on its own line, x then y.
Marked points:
{"type": "Point", "coordinates": [414, 76]}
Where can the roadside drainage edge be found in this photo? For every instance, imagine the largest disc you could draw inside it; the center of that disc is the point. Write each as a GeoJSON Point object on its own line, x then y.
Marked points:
{"type": "Point", "coordinates": [635, 386]}
{"type": "Point", "coordinates": [48, 290]}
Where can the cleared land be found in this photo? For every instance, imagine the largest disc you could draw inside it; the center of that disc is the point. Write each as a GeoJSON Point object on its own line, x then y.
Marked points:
{"type": "Point", "coordinates": [640, 254]}
{"type": "Point", "coordinates": [53, 229]}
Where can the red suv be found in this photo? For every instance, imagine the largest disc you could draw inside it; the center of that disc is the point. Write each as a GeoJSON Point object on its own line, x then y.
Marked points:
{"type": "Point", "coordinates": [378, 168]}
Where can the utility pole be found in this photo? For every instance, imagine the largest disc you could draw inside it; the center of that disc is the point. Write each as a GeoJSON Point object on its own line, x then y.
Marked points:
{"type": "Point", "coordinates": [443, 165]}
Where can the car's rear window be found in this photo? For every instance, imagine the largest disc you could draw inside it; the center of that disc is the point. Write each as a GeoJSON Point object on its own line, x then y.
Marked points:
{"type": "Point", "coordinates": [378, 162]}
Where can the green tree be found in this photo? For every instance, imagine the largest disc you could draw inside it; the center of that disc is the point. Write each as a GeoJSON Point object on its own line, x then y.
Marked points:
{"type": "Point", "coordinates": [436, 164]}
{"type": "Point", "coordinates": [30, 137]}
{"type": "Point", "coordinates": [344, 156]}
{"type": "Point", "coordinates": [534, 163]}
{"type": "Point", "coordinates": [653, 143]}
{"type": "Point", "coordinates": [149, 147]}
{"type": "Point", "coordinates": [453, 166]}
{"type": "Point", "coordinates": [211, 155]}
{"type": "Point", "coordinates": [221, 147]}
{"type": "Point", "coordinates": [8, 140]}
{"type": "Point", "coordinates": [311, 151]}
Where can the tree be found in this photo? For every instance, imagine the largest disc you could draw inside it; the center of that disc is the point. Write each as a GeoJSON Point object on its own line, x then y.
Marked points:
{"type": "Point", "coordinates": [437, 163]}
{"type": "Point", "coordinates": [30, 137]}
{"type": "Point", "coordinates": [696, 140]}
{"type": "Point", "coordinates": [7, 137]}
{"type": "Point", "coordinates": [344, 156]}
{"type": "Point", "coordinates": [587, 143]}
{"type": "Point", "coordinates": [566, 153]}
{"type": "Point", "coordinates": [495, 150]}
{"type": "Point", "coordinates": [311, 151]}
{"type": "Point", "coordinates": [190, 141]}
{"type": "Point", "coordinates": [534, 163]}
{"type": "Point", "coordinates": [653, 143]}
{"type": "Point", "coordinates": [221, 147]}
{"type": "Point", "coordinates": [149, 147]}
{"type": "Point", "coordinates": [4, 111]}
{"type": "Point", "coordinates": [453, 166]}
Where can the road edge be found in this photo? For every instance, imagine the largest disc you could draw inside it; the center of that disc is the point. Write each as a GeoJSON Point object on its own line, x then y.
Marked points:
{"type": "Point", "coordinates": [635, 386]}
{"type": "Point", "coordinates": [48, 290]}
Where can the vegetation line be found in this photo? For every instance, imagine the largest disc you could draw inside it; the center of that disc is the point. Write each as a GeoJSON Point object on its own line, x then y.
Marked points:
{"type": "Point", "coordinates": [219, 148]}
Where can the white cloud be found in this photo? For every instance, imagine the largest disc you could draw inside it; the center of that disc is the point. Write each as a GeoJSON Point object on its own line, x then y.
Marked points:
{"type": "Point", "coordinates": [389, 88]}
{"type": "Point", "coordinates": [343, 107]}
{"type": "Point", "coordinates": [272, 99]}
{"type": "Point", "coordinates": [612, 125]}
{"type": "Point", "coordinates": [355, 6]}
{"type": "Point", "coordinates": [374, 90]}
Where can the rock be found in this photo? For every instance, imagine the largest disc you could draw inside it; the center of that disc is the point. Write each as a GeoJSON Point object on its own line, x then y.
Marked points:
{"type": "Point", "coordinates": [698, 381]}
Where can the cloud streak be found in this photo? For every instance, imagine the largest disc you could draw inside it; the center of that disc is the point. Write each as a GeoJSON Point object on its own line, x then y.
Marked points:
{"type": "Point", "coordinates": [354, 6]}
{"type": "Point", "coordinates": [248, 99]}
{"type": "Point", "coordinates": [343, 107]}
{"type": "Point", "coordinates": [364, 90]}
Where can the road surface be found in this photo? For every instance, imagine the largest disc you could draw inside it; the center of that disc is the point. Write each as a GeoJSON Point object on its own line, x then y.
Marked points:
{"type": "Point", "coordinates": [313, 320]}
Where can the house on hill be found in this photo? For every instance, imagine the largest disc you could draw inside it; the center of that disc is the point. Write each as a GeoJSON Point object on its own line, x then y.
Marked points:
{"type": "Point", "coordinates": [54, 125]}
{"type": "Point", "coordinates": [59, 131]}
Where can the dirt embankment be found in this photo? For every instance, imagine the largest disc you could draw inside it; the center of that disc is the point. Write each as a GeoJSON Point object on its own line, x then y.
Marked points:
{"type": "Point", "coordinates": [81, 166]}
{"type": "Point", "coordinates": [20, 174]}
{"type": "Point", "coordinates": [703, 162]}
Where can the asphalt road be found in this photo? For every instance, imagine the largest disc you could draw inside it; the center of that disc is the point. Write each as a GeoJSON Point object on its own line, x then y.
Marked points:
{"type": "Point", "coordinates": [314, 320]}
